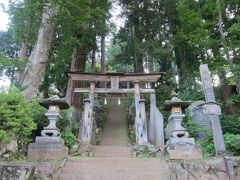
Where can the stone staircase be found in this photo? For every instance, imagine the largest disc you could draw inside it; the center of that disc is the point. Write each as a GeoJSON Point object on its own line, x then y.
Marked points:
{"type": "Point", "coordinates": [112, 159]}
{"type": "Point", "coordinates": [114, 169]}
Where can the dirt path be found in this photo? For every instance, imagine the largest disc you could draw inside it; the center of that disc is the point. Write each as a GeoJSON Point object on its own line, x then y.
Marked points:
{"type": "Point", "coordinates": [115, 138]}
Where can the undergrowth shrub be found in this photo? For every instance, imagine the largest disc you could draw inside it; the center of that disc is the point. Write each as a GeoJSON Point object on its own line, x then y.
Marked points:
{"type": "Point", "coordinates": [231, 140]}
{"type": "Point", "coordinates": [69, 138]}
{"type": "Point", "coordinates": [16, 117]}
{"type": "Point", "coordinates": [231, 124]}
{"type": "Point", "coordinates": [38, 116]}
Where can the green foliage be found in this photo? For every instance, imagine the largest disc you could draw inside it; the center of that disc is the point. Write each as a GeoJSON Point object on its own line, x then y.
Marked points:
{"type": "Point", "coordinates": [16, 120]}
{"type": "Point", "coordinates": [142, 40]}
{"type": "Point", "coordinates": [194, 129]}
{"type": "Point", "coordinates": [230, 124]}
{"type": "Point", "coordinates": [68, 127]}
{"type": "Point", "coordinates": [69, 138]}
{"type": "Point", "coordinates": [38, 116]}
{"type": "Point", "coordinates": [207, 146]}
{"type": "Point", "coordinates": [232, 142]}
{"type": "Point", "coordinates": [25, 19]}
{"type": "Point", "coordinates": [65, 121]}
{"type": "Point", "coordinates": [7, 63]}
{"type": "Point", "coordinates": [8, 47]}
{"type": "Point", "coordinates": [190, 90]}
{"type": "Point", "coordinates": [231, 135]}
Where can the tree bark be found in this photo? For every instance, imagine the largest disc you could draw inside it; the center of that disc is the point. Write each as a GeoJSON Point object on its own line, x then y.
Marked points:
{"type": "Point", "coordinates": [139, 65]}
{"type": "Point", "coordinates": [35, 69]}
{"type": "Point", "coordinates": [23, 51]}
{"type": "Point", "coordinates": [150, 65]}
{"type": "Point", "coordinates": [220, 26]}
{"type": "Point", "coordinates": [225, 95]}
{"type": "Point", "coordinates": [103, 55]}
{"type": "Point", "coordinates": [78, 64]}
{"type": "Point", "coordinates": [22, 57]}
{"type": "Point", "coordinates": [238, 84]}
{"type": "Point", "coordinates": [150, 61]}
{"type": "Point", "coordinates": [94, 60]}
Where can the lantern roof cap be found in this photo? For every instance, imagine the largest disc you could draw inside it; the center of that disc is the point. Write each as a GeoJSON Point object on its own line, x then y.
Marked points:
{"type": "Point", "coordinates": [174, 102]}
{"type": "Point", "coordinates": [54, 100]}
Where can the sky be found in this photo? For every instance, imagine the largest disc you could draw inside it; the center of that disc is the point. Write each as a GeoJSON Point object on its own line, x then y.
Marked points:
{"type": "Point", "coordinates": [4, 80]}
{"type": "Point", "coordinates": [3, 15]}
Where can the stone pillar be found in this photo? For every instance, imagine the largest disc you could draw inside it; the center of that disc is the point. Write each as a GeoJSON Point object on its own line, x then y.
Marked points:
{"type": "Point", "coordinates": [152, 125]}
{"type": "Point", "coordinates": [156, 127]}
{"type": "Point", "coordinates": [143, 134]}
{"type": "Point", "coordinates": [213, 110]}
{"type": "Point", "coordinates": [140, 119]}
{"type": "Point", "coordinates": [86, 132]}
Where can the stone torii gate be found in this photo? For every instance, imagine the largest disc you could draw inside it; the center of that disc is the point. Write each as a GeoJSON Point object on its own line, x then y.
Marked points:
{"type": "Point", "coordinates": [154, 134]}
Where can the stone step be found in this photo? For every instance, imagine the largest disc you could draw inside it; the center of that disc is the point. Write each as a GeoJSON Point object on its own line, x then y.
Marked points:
{"type": "Point", "coordinates": [112, 176]}
{"type": "Point", "coordinates": [116, 160]}
{"type": "Point", "coordinates": [112, 151]}
{"type": "Point", "coordinates": [142, 170]}
{"type": "Point", "coordinates": [114, 169]}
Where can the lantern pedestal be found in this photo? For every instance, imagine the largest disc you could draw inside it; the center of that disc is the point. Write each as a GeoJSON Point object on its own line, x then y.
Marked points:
{"type": "Point", "coordinates": [180, 149]}
{"type": "Point", "coordinates": [47, 148]}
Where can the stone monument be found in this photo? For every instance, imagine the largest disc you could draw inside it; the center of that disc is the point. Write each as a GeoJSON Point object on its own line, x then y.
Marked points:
{"type": "Point", "coordinates": [179, 145]}
{"type": "Point", "coordinates": [50, 145]}
{"type": "Point", "coordinates": [198, 117]}
{"type": "Point", "coordinates": [213, 110]}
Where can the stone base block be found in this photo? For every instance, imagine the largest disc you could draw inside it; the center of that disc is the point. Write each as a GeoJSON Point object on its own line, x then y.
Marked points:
{"type": "Point", "coordinates": [181, 141]}
{"type": "Point", "coordinates": [184, 151]}
{"type": "Point", "coordinates": [86, 150]}
{"type": "Point", "coordinates": [47, 148]}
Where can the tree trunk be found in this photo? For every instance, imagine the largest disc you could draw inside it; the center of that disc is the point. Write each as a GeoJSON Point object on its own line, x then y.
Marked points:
{"type": "Point", "coordinates": [226, 94]}
{"type": "Point", "coordinates": [22, 57]}
{"type": "Point", "coordinates": [238, 84]}
{"type": "Point", "coordinates": [103, 55]}
{"type": "Point", "coordinates": [35, 69]}
{"type": "Point", "coordinates": [139, 65]}
{"type": "Point", "coordinates": [78, 64]}
{"type": "Point", "coordinates": [150, 65]}
{"type": "Point", "coordinates": [220, 26]}
{"type": "Point", "coordinates": [23, 51]}
{"type": "Point", "coordinates": [150, 61]}
{"type": "Point", "coordinates": [94, 60]}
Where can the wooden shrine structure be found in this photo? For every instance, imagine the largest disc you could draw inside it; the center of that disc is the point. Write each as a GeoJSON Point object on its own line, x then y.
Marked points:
{"type": "Point", "coordinates": [144, 134]}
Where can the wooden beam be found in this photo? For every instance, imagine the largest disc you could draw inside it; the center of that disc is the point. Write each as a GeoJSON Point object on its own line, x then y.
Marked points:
{"type": "Point", "coordinates": [77, 76]}
{"type": "Point", "coordinates": [107, 90]}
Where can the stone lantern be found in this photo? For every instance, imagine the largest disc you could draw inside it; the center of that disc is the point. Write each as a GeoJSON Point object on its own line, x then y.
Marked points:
{"type": "Point", "coordinates": [179, 145]}
{"type": "Point", "coordinates": [50, 145]}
